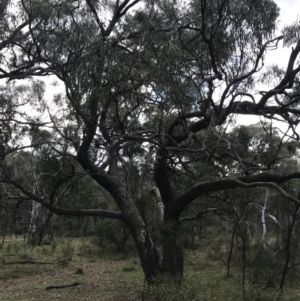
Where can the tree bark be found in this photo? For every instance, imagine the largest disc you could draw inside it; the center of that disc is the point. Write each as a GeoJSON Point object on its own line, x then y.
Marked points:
{"type": "Point", "coordinates": [172, 262]}
{"type": "Point", "coordinates": [148, 254]}
{"type": "Point", "coordinates": [263, 219]}
{"type": "Point", "coordinates": [5, 227]}
{"type": "Point", "coordinates": [287, 247]}
{"type": "Point", "coordinates": [242, 234]}
{"type": "Point", "coordinates": [40, 233]}
{"type": "Point", "coordinates": [34, 215]}
{"type": "Point", "coordinates": [158, 204]}
{"type": "Point", "coordinates": [231, 248]}
{"type": "Point", "coordinates": [173, 259]}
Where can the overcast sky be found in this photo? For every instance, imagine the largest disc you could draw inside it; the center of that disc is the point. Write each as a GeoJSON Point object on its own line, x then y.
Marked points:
{"type": "Point", "coordinates": [289, 12]}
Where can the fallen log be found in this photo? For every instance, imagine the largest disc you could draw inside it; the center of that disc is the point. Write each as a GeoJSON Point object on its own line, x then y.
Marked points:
{"type": "Point", "coordinates": [26, 262]}
{"type": "Point", "coordinates": [62, 286]}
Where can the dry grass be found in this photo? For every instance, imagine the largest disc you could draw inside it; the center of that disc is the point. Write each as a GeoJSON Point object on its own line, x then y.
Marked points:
{"type": "Point", "coordinates": [111, 277]}
{"type": "Point", "coordinates": [102, 279]}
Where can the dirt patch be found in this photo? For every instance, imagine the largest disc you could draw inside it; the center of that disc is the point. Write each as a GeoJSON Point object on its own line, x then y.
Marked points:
{"type": "Point", "coordinates": [99, 281]}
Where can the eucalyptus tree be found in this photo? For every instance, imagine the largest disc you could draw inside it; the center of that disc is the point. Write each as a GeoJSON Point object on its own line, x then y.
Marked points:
{"type": "Point", "coordinates": [156, 84]}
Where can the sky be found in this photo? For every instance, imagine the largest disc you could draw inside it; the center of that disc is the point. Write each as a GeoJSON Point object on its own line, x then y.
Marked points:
{"type": "Point", "coordinates": [289, 12]}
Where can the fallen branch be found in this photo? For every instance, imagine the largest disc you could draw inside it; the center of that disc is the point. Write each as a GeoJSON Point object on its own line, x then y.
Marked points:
{"type": "Point", "coordinates": [26, 262]}
{"type": "Point", "coordinates": [35, 262]}
{"type": "Point", "coordinates": [64, 260]}
{"type": "Point", "coordinates": [62, 286]}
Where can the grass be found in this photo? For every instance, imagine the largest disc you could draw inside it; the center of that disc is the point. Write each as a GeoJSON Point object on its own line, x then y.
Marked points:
{"type": "Point", "coordinates": [106, 276]}
{"type": "Point", "coordinates": [103, 278]}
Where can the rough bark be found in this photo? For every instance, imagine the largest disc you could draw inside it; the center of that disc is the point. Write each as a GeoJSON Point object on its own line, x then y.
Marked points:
{"type": "Point", "coordinates": [5, 227]}
{"type": "Point", "coordinates": [243, 257]}
{"type": "Point", "coordinates": [148, 254]}
{"type": "Point", "coordinates": [231, 249]}
{"type": "Point", "coordinates": [40, 233]}
{"type": "Point", "coordinates": [287, 247]}
{"type": "Point", "coordinates": [172, 263]}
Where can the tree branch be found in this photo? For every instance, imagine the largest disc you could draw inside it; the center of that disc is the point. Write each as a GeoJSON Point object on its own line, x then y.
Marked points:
{"type": "Point", "coordinates": [61, 211]}
{"type": "Point", "coordinates": [262, 180]}
{"type": "Point", "coordinates": [83, 212]}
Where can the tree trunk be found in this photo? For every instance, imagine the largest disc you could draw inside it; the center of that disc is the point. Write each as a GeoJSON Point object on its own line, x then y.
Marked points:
{"type": "Point", "coordinates": [159, 204]}
{"type": "Point", "coordinates": [148, 254]}
{"type": "Point", "coordinates": [5, 227]}
{"type": "Point", "coordinates": [231, 249]}
{"type": "Point", "coordinates": [39, 235]}
{"type": "Point", "coordinates": [34, 216]}
{"type": "Point", "coordinates": [172, 263]}
{"type": "Point", "coordinates": [243, 237]}
{"type": "Point", "coordinates": [172, 250]}
{"type": "Point", "coordinates": [287, 247]}
{"type": "Point", "coordinates": [263, 220]}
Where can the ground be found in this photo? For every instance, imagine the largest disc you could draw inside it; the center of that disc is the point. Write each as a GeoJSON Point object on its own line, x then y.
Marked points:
{"type": "Point", "coordinates": [97, 278]}
{"type": "Point", "coordinates": [26, 273]}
